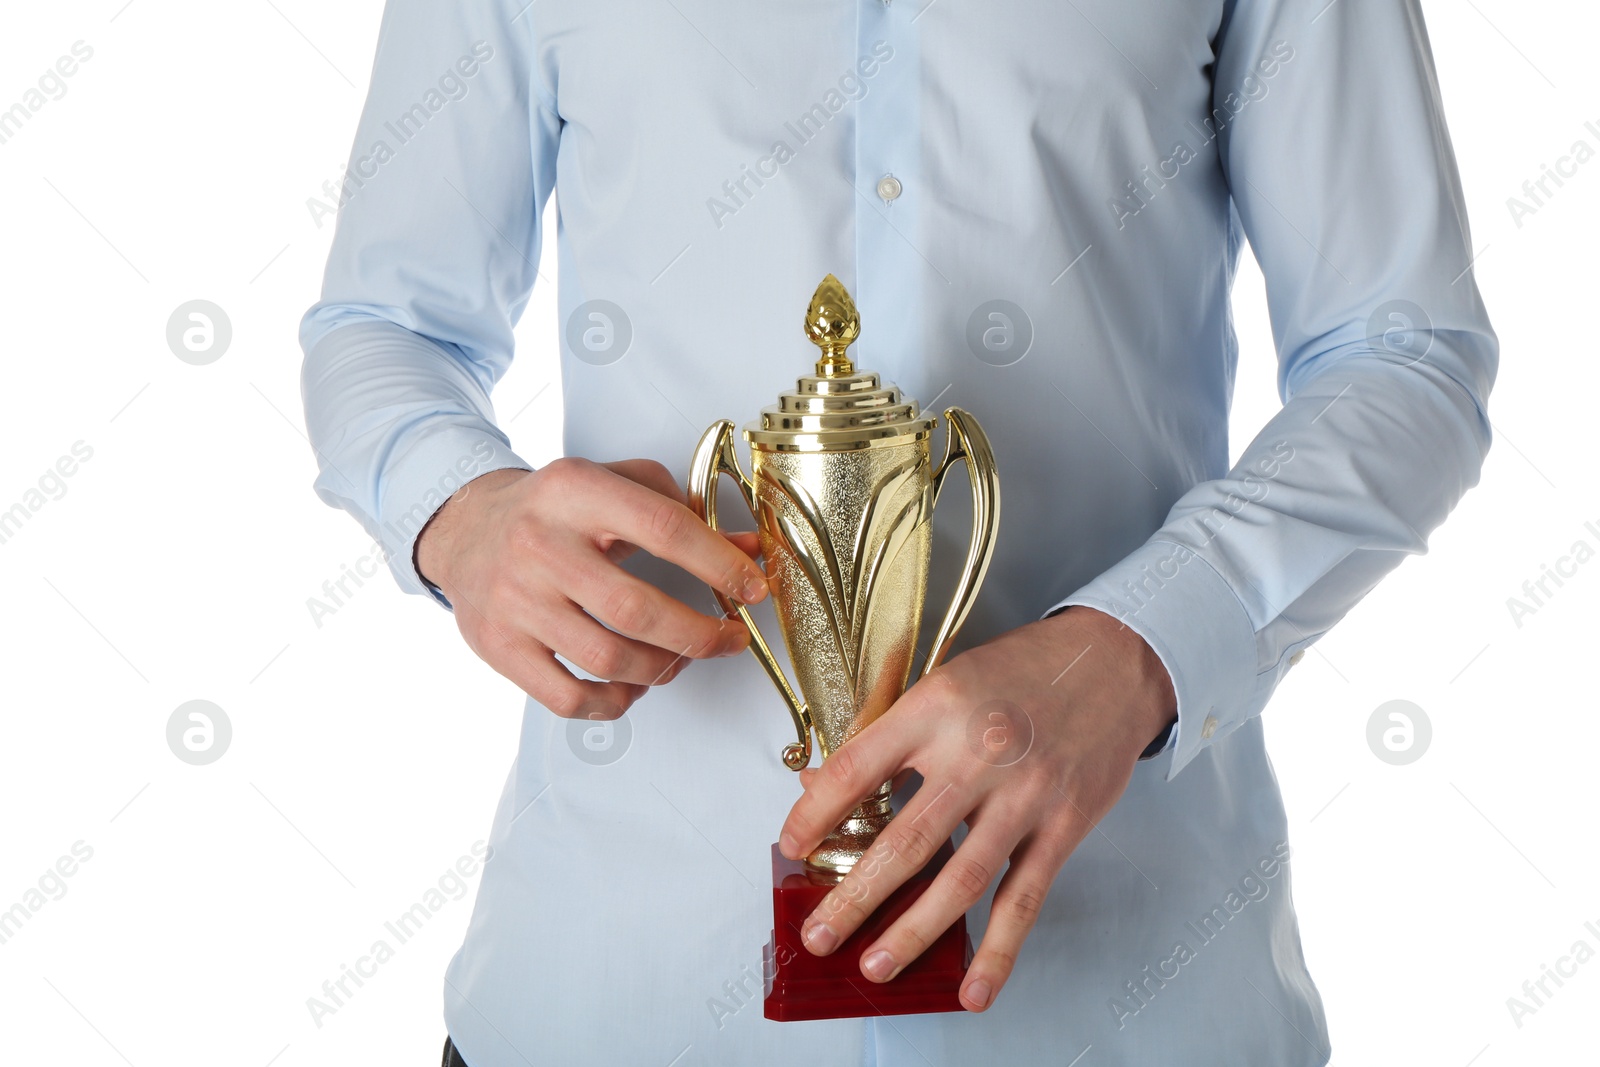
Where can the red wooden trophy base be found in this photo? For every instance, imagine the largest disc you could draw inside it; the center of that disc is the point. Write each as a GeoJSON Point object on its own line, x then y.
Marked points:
{"type": "Point", "coordinates": [802, 986]}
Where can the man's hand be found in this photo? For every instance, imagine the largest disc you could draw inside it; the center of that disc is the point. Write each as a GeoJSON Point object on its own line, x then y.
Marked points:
{"type": "Point", "coordinates": [529, 561]}
{"type": "Point", "coordinates": [1029, 739]}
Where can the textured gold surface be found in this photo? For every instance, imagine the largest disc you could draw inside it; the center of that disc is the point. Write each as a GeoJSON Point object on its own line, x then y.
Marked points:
{"type": "Point", "coordinates": [847, 542]}
{"type": "Point", "coordinates": [847, 539]}
{"type": "Point", "coordinates": [843, 488]}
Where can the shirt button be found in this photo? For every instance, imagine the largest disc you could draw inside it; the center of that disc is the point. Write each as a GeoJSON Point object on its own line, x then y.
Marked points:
{"type": "Point", "coordinates": [1297, 657]}
{"type": "Point", "coordinates": [889, 187]}
{"type": "Point", "coordinates": [1208, 727]}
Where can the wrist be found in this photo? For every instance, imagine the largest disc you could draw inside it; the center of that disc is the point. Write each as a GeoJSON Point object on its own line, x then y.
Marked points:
{"type": "Point", "coordinates": [1148, 704]}
{"type": "Point", "coordinates": [438, 540]}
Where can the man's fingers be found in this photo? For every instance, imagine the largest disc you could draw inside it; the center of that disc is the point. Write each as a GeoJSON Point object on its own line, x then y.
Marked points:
{"type": "Point", "coordinates": [656, 477]}
{"type": "Point", "coordinates": [664, 527]}
{"type": "Point", "coordinates": [650, 474]}
{"type": "Point", "coordinates": [910, 841]}
{"type": "Point", "coordinates": [845, 778]}
{"type": "Point", "coordinates": [570, 632]}
{"type": "Point", "coordinates": [966, 877]}
{"type": "Point", "coordinates": [809, 774]}
{"type": "Point", "coordinates": [1016, 907]}
{"type": "Point", "coordinates": [635, 608]}
{"type": "Point", "coordinates": [534, 669]}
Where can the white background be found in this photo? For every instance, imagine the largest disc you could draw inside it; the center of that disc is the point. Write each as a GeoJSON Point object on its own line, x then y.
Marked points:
{"type": "Point", "coordinates": [368, 752]}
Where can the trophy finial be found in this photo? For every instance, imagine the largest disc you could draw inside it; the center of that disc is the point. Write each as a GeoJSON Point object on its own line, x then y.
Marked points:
{"type": "Point", "coordinates": [832, 323]}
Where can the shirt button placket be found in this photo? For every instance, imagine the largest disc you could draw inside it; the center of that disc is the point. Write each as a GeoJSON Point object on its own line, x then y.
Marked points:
{"type": "Point", "coordinates": [887, 162]}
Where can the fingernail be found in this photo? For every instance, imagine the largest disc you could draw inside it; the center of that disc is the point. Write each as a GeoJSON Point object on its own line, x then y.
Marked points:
{"type": "Point", "coordinates": [821, 939]}
{"type": "Point", "coordinates": [879, 965]}
{"type": "Point", "coordinates": [978, 993]}
{"type": "Point", "coordinates": [789, 846]}
{"type": "Point", "coordinates": [754, 590]}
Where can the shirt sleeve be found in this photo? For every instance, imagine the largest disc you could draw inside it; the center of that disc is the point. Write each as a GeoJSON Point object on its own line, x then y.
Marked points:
{"type": "Point", "coordinates": [1333, 142]}
{"type": "Point", "coordinates": [432, 262]}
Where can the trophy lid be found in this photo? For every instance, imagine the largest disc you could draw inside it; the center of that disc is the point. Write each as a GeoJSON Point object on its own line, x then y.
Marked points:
{"type": "Point", "coordinates": [838, 409]}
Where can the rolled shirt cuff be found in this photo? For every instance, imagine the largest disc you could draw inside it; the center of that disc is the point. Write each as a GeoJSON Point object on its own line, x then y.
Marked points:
{"type": "Point", "coordinates": [418, 482]}
{"type": "Point", "coordinates": [1188, 613]}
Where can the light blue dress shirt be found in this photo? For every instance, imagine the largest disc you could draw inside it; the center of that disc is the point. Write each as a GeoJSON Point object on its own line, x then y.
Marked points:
{"type": "Point", "coordinates": [1038, 205]}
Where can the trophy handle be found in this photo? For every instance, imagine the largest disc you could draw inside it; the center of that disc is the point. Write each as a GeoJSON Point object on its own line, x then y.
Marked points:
{"type": "Point", "coordinates": [965, 440]}
{"type": "Point", "coordinates": [712, 457]}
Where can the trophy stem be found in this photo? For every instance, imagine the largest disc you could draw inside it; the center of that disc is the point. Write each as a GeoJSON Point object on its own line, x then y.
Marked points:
{"type": "Point", "coordinates": [839, 852]}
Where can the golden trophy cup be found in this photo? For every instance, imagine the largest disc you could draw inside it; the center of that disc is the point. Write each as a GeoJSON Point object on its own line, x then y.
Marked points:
{"type": "Point", "coordinates": [842, 488]}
